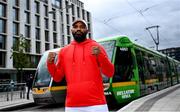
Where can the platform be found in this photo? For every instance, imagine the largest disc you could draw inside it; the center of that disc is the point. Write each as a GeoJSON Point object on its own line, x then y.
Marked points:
{"type": "Point", "coordinates": [167, 100]}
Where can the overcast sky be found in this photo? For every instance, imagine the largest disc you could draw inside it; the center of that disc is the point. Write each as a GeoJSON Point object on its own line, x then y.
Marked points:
{"type": "Point", "coordinates": [131, 17]}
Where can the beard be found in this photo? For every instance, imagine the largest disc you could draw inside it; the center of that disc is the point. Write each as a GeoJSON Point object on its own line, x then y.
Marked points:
{"type": "Point", "coordinates": [79, 36]}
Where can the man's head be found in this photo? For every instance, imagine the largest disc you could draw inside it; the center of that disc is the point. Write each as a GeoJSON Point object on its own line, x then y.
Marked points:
{"type": "Point", "coordinates": [79, 30]}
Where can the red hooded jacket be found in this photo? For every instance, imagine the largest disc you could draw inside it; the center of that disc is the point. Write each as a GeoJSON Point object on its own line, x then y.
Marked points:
{"type": "Point", "coordinates": [82, 71]}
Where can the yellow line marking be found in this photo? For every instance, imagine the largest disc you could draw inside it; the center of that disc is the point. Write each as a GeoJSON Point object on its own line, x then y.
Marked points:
{"type": "Point", "coordinates": [118, 84]}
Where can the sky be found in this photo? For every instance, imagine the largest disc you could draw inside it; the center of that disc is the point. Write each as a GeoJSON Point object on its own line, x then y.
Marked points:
{"type": "Point", "coordinates": [132, 17]}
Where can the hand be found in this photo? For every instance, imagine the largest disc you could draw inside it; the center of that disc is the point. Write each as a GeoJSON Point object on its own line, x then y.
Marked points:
{"type": "Point", "coordinates": [51, 57]}
{"type": "Point", "coordinates": [96, 50]}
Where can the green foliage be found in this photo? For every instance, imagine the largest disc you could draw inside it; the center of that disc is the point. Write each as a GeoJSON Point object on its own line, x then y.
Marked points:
{"type": "Point", "coordinates": [19, 55]}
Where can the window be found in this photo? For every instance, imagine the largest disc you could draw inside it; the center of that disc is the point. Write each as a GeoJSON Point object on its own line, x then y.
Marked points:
{"type": "Point", "coordinates": [15, 28]}
{"type": "Point", "coordinates": [15, 40]}
{"type": "Point", "coordinates": [37, 10]}
{"type": "Point", "coordinates": [15, 2]}
{"type": "Point", "coordinates": [88, 16]}
{"type": "Point", "coordinates": [83, 15]}
{"type": "Point", "coordinates": [28, 49]}
{"type": "Point", "coordinates": [45, 10]}
{"type": "Point", "coordinates": [15, 14]}
{"type": "Point", "coordinates": [54, 37]}
{"type": "Point", "coordinates": [27, 17]}
{"type": "Point", "coordinates": [73, 18]}
{"type": "Point", "coordinates": [78, 12]}
{"type": "Point", "coordinates": [27, 31]}
{"type": "Point", "coordinates": [37, 20]}
{"type": "Point", "coordinates": [67, 10]}
{"type": "Point", "coordinates": [2, 42]}
{"type": "Point", "coordinates": [38, 47]}
{"type": "Point", "coordinates": [62, 17]}
{"type": "Point", "coordinates": [89, 26]}
{"type": "Point", "coordinates": [2, 26]}
{"type": "Point", "coordinates": [46, 46]}
{"type": "Point", "coordinates": [54, 14]}
{"type": "Point", "coordinates": [37, 33]}
{"type": "Point", "coordinates": [73, 12]}
{"type": "Point", "coordinates": [2, 59]}
{"type": "Point", "coordinates": [2, 10]}
{"type": "Point", "coordinates": [27, 5]}
{"type": "Point", "coordinates": [56, 46]}
{"type": "Point", "coordinates": [46, 23]}
{"type": "Point", "coordinates": [109, 47]}
{"type": "Point", "coordinates": [54, 25]}
{"type": "Point", "coordinates": [68, 30]}
{"type": "Point", "coordinates": [46, 36]}
{"type": "Point", "coordinates": [62, 28]}
{"type": "Point", "coordinates": [62, 41]}
{"type": "Point", "coordinates": [4, 0]}
{"type": "Point", "coordinates": [68, 39]}
{"type": "Point", "coordinates": [56, 3]}
{"type": "Point", "coordinates": [67, 19]}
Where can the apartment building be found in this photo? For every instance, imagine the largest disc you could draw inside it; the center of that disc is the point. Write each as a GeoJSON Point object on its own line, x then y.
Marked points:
{"type": "Point", "coordinates": [45, 24]}
{"type": "Point", "coordinates": [173, 52]}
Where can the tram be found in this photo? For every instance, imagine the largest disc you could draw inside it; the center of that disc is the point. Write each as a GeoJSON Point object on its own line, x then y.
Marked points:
{"type": "Point", "coordinates": [44, 89]}
{"type": "Point", "coordinates": [139, 71]}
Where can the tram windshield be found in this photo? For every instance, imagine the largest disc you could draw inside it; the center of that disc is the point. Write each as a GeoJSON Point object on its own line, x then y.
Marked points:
{"type": "Point", "coordinates": [109, 48]}
{"type": "Point", "coordinates": [42, 77]}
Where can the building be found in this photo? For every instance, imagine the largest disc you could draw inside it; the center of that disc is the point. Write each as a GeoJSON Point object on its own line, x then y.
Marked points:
{"type": "Point", "coordinates": [172, 52]}
{"type": "Point", "coordinates": [40, 27]}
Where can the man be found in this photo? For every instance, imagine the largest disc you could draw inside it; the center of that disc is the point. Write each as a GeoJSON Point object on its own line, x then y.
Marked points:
{"type": "Point", "coordinates": [81, 62]}
{"type": "Point", "coordinates": [29, 85]}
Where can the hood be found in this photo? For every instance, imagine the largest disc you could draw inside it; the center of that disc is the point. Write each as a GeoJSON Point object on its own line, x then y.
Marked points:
{"type": "Point", "coordinates": [82, 43]}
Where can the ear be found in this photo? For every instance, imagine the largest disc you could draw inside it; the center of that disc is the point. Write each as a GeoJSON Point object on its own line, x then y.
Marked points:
{"type": "Point", "coordinates": [71, 30]}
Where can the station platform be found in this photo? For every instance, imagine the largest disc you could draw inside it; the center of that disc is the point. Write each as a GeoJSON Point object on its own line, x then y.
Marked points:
{"type": "Point", "coordinates": [7, 105]}
{"type": "Point", "coordinates": [167, 100]}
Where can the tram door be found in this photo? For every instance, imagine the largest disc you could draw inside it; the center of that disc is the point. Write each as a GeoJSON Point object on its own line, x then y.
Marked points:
{"type": "Point", "coordinates": [123, 65]}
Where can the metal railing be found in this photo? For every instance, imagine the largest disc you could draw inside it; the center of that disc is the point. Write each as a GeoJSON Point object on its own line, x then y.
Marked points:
{"type": "Point", "coordinates": [12, 91]}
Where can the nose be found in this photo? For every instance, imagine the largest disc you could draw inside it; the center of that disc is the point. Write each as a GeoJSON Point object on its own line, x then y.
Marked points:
{"type": "Point", "coordinates": [78, 29]}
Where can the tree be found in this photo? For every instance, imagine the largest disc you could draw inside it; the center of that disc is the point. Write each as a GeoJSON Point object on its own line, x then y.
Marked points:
{"type": "Point", "coordinates": [19, 55]}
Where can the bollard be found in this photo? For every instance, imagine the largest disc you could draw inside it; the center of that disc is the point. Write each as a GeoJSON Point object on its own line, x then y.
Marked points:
{"type": "Point", "coordinates": [11, 87]}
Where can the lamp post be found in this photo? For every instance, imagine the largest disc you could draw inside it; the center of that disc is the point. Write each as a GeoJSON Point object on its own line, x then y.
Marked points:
{"type": "Point", "coordinates": [156, 41]}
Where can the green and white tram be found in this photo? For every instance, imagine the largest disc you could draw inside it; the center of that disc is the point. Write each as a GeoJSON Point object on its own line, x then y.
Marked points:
{"type": "Point", "coordinates": [138, 71]}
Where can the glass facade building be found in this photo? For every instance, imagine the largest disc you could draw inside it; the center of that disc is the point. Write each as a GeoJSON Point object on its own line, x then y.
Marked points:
{"type": "Point", "coordinates": [41, 29]}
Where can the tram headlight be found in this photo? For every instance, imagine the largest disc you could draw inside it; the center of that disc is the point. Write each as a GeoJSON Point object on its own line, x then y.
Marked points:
{"type": "Point", "coordinates": [106, 86]}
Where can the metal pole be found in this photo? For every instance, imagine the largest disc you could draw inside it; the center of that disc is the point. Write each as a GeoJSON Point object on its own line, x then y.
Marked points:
{"type": "Point", "coordinates": [156, 41]}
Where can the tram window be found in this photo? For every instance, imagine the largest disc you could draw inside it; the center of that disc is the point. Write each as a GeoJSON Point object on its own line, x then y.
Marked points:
{"type": "Point", "coordinates": [140, 66]}
{"type": "Point", "coordinates": [178, 71]}
{"type": "Point", "coordinates": [123, 65]}
{"type": "Point", "coordinates": [172, 69]}
{"type": "Point", "coordinates": [149, 65]}
{"type": "Point", "coordinates": [167, 68]}
{"type": "Point", "coordinates": [163, 70]}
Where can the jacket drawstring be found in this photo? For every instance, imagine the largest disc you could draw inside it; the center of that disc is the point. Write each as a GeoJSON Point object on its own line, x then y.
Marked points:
{"type": "Point", "coordinates": [83, 56]}
{"type": "Point", "coordinates": [74, 54]}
